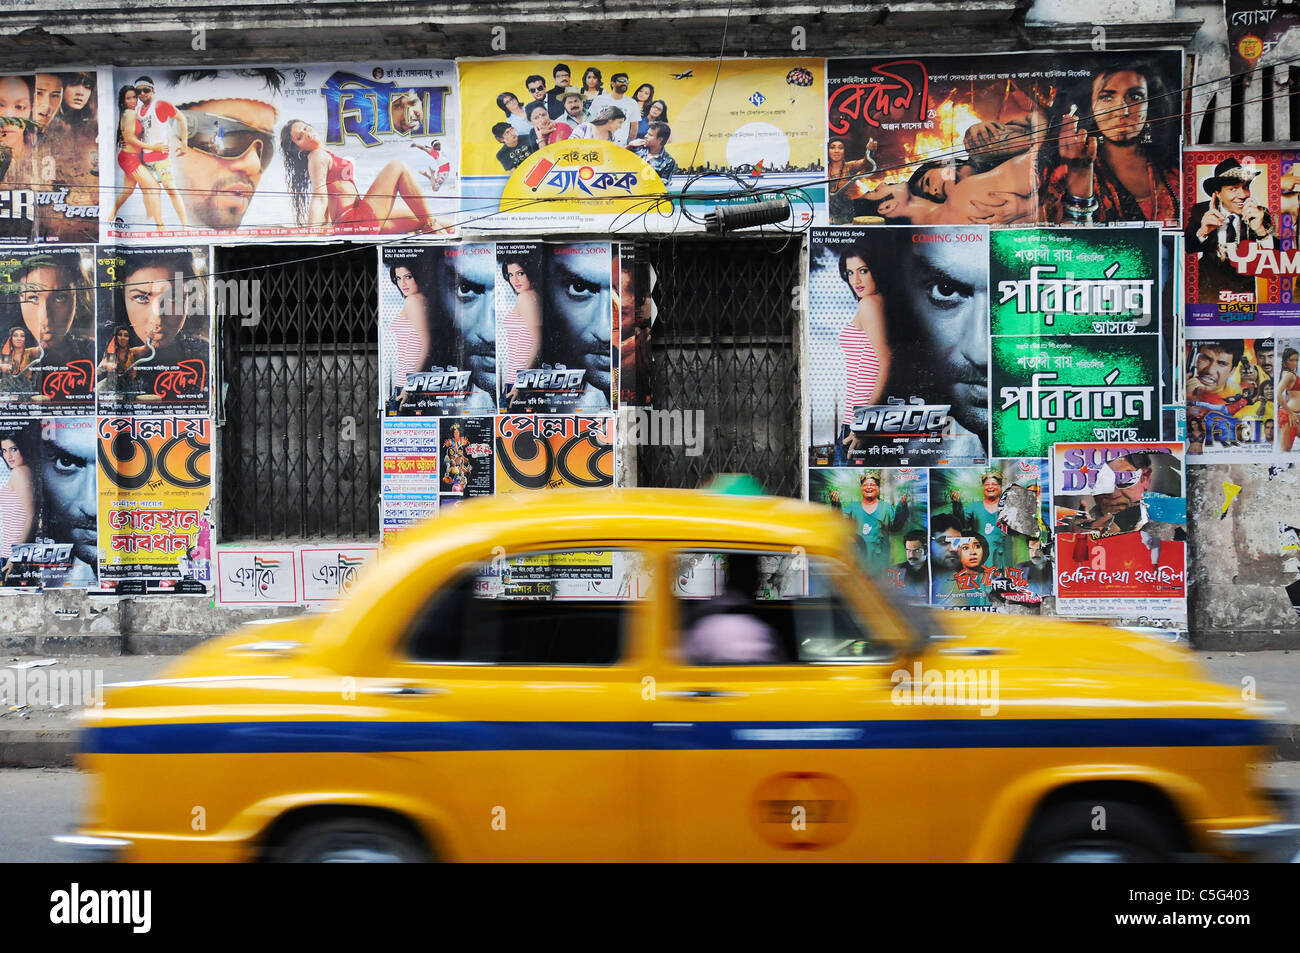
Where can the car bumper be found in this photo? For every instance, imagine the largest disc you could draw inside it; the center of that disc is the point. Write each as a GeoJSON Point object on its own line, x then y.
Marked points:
{"type": "Point", "coordinates": [96, 850]}
{"type": "Point", "coordinates": [1278, 842]}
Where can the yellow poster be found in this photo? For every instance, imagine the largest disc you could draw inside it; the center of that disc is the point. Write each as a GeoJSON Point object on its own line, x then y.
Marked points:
{"type": "Point", "coordinates": [556, 129]}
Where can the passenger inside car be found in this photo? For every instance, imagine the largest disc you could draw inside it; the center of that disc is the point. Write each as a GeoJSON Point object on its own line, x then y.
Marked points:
{"type": "Point", "coordinates": [727, 629]}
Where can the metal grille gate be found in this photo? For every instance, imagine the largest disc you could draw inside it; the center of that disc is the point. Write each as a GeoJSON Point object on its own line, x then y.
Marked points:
{"type": "Point", "coordinates": [724, 342]}
{"type": "Point", "coordinates": [300, 450]}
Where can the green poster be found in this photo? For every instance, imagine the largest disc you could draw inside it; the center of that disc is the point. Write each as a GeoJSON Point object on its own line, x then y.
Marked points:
{"type": "Point", "coordinates": [1048, 390]}
{"type": "Point", "coordinates": [1074, 281]}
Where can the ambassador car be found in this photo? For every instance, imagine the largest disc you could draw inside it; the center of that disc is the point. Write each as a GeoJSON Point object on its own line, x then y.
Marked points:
{"type": "Point", "coordinates": [669, 675]}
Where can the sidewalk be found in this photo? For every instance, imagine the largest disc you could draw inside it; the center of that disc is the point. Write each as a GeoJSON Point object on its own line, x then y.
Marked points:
{"type": "Point", "coordinates": [41, 735]}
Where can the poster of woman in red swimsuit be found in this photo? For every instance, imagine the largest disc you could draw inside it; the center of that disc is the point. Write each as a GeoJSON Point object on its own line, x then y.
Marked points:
{"type": "Point", "coordinates": [325, 192]}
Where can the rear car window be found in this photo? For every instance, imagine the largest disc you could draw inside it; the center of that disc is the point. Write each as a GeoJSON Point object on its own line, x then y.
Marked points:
{"type": "Point", "coordinates": [546, 608]}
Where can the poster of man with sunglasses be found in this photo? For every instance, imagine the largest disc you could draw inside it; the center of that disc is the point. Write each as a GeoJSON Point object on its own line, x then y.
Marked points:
{"type": "Point", "coordinates": [317, 152]}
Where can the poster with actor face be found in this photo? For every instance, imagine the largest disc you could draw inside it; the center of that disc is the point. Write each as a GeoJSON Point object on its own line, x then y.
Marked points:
{"type": "Point", "coordinates": [19, 158]}
{"type": "Point", "coordinates": [155, 490]}
{"type": "Point", "coordinates": [1005, 139]}
{"type": "Point", "coordinates": [535, 452]}
{"type": "Point", "coordinates": [988, 536]}
{"type": "Point", "coordinates": [887, 508]}
{"type": "Point", "coordinates": [636, 313]}
{"type": "Point", "coordinates": [299, 153]}
{"type": "Point", "coordinates": [1046, 389]}
{"type": "Point", "coordinates": [21, 500]}
{"type": "Point", "coordinates": [1240, 238]}
{"type": "Point", "coordinates": [47, 316]}
{"type": "Point", "coordinates": [1232, 399]}
{"type": "Point", "coordinates": [154, 323]}
{"type": "Point", "coordinates": [50, 495]}
{"type": "Point", "coordinates": [1285, 390]}
{"type": "Point", "coordinates": [1120, 523]}
{"type": "Point", "coordinates": [66, 110]}
{"type": "Point", "coordinates": [438, 329]}
{"type": "Point", "coordinates": [466, 464]}
{"type": "Point", "coordinates": [595, 145]}
{"type": "Point", "coordinates": [898, 346]}
{"type": "Point", "coordinates": [555, 327]}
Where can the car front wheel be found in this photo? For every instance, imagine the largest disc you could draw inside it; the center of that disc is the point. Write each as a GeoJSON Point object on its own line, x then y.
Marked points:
{"type": "Point", "coordinates": [350, 840]}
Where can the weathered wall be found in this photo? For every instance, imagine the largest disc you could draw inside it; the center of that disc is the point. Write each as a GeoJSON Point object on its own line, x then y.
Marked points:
{"type": "Point", "coordinates": [69, 622]}
{"type": "Point", "coordinates": [1238, 576]}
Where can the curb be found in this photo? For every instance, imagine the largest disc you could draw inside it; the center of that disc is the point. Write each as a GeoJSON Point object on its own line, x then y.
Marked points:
{"type": "Point", "coordinates": [24, 748]}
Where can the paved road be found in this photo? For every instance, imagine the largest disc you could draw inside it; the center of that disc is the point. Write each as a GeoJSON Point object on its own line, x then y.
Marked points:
{"type": "Point", "coordinates": [38, 803]}
{"type": "Point", "coordinates": [41, 802]}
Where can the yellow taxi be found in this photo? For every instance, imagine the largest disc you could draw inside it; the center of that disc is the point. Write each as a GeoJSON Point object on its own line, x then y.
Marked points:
{"type": "Point", "coordinates": [669, 675]}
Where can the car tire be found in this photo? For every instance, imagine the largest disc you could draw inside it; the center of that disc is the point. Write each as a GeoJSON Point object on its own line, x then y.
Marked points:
{"type": "Point", "coordinates": [1066, 833]}
{"type": "Point", "coordinates": [351, 840]}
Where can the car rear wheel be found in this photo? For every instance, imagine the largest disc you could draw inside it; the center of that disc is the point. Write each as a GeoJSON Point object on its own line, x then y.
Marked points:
{"type": "Point", "coordinates": [351, 840]}
{"type": "Point", "coordinates": [1099, 832]}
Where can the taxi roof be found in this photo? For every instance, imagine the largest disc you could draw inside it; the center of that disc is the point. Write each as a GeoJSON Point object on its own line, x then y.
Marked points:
{"type": "Point", "coordinates": [634, 513]}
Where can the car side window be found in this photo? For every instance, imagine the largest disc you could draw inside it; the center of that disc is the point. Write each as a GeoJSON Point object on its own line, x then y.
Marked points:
{"type": "Point", "coordinates": [544, 608]}
{"type": "Point", "coordinates": [754, 608]}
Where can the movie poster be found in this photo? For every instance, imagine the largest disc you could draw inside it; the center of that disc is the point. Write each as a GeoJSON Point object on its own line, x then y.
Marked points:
{"type": "Point", "coordinates": [555, 327]}
{"type": "Point", "coordinates": [1172, 324]}
{"type": "Point", "coordinates": [49, 155]}
{"type": "Point", "coordinates": [1240, 238]}
{"type": "Point", "coordinates": [888, 509]}
{"type": "Point", "coordinates": [220, 154]}
{"type": "Point", "coordinates": [636, 313]}
{"type": "Point", "coordinates": [1003, 139]}
{"type": "Point", "coordinates": [438, 330]}
{"type": "Point", "coordinates": [1120, 522]}
{"type": "Point", "coordinates": [1285, 393]}
{"type": "Point", "coordinates": [1255, 29]}
{"type": "Point", "coordinates": [535, 451]}
{"type": "Point", "coordinates": [154, 319]}
{"type": "Point", "coordinates": [597, 144]}
{"type": "Point", "coordinates": [1094, 387]}
{"type": "Point", "coordinates": [409, 481]}
{"type": "Point", "coordinates": [1232, 399]}
{"type": "Point", "coordinates": [1075, 281]}
{"type": "Point", "coordinates": [47, 317]}
{"type": "Point", "coordinates": [21, 500]}
{"type": "Point", "coordinates": [989, 544]}
{"type": "Point", "coordinates": [466, 464]}
{"type": "Point", "coordinates": [155, 497]}
{"type": "Point", "coordinates": [19, 158]}
{"type": "Point", "coordinates": [48, 503]}
{"type": "Point", "coordinates": [898, 347]}
{"type": "Point", "coordinates": [66, 111]}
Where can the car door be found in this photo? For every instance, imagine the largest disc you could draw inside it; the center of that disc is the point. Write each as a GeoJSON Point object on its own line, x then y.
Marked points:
{"type": "Point", "coordinates": [517, 682]}
{"type": "Point", "coordinates": [781, 749]}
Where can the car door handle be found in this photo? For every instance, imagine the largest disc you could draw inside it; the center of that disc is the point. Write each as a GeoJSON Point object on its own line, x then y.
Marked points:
{"type": "Point", "coordinates": [406, 690]}
{"type": "Point", "coordinates": [702, 693]}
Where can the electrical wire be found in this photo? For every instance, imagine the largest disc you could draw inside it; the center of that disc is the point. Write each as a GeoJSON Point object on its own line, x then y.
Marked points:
{"type": "Point", "coordinates": [795, 191]}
